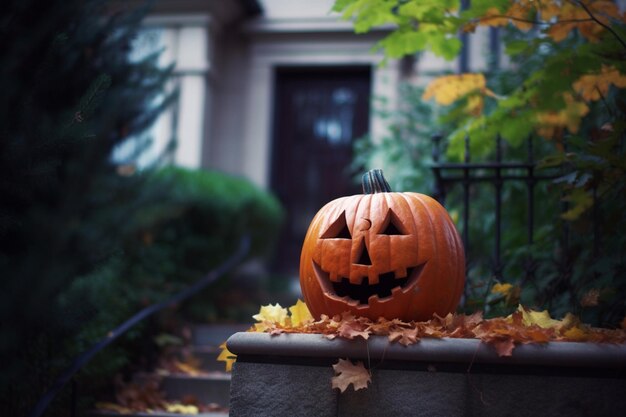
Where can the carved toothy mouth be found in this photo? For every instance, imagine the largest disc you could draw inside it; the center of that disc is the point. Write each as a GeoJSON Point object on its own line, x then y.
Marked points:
{"type": "Point", "coordinates": [364, 293]}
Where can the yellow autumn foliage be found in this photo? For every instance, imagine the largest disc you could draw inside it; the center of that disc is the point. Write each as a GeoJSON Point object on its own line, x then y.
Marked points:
{"type": "Point", "coordinates": [562, 16]}
{"type": "Point", "coordinates": [592, 87]}
{"type": "Point", "coordinates": [450, 88]}
{"type": "Point", "coordinates": [569, 117]}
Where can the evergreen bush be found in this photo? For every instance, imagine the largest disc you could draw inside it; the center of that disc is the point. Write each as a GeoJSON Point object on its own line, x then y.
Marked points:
{"type": "Point", "coordinates": [83, 244]}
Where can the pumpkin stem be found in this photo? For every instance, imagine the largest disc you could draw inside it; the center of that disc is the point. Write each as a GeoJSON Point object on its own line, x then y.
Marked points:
{"type": "Point", "coordinates": [374, 182]}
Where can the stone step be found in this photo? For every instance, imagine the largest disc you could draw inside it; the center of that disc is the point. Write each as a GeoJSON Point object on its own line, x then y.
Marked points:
{"type": "Point", "coordinates": [207, 389]}
{"type": "Point", "coordinates": [215, 334]}
{"type": "Point", "coordinates": [207, 355]}
{"type": "Point", "coordinates": [212, 387]}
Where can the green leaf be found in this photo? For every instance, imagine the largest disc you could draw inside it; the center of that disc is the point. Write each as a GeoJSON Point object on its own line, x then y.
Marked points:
{"type": "Point", "coordinates": [401, 43]}
{"type": "Point", "coordinates": [516, 129]}
{"type": "Point", "coordinates": [479, 7]}
{"type": "Point", "coordinates": [445, 46]}
{"type": "Point", "coordinates": [516, 47]}
{"type": "Point", "coordinates": [581, 201]}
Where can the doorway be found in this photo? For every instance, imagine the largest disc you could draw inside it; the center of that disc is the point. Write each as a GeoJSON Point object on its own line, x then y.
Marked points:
{"type": "Point", "coordinates": [318, 114]}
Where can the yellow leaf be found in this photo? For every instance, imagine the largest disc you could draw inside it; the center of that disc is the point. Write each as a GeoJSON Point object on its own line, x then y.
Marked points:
{"type": "Point", "coordinates": [503, 289]}
{"type": "Point", "coordinates": [576, 334]}
{"type": "Point", "coordinates": [570, 16]}
{"type": "Point", "coordinates": [300, 313]}
{"type": "Point", "coordinates": [568, 322]}
{"type": "Point", "coordinates": [272, 313]}
{"type": "Point", "coordinates": [538, 318]}
{"type": "Point", "coordinates": [181, 409]}
{"type": "Point", "coordinates": [594, 86]}
{"type": "Point", "coordinates": [227, 356]}
{"type": "Point", "coordinates": [520, 12]}
{"type": "Point", "coordinates": [450, 88]}
{"type": "Point", "coordinates": [569, 117]}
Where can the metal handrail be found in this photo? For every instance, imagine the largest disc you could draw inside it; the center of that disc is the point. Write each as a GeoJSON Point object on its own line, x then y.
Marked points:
{"type": "Point", "coordinates": [80, 361]}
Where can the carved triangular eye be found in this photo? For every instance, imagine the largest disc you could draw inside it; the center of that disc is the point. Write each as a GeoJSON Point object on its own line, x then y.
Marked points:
{"type": "Point", "coordinates": [392, 225]}
{"type": "Point", "coordinates": [338, 230]}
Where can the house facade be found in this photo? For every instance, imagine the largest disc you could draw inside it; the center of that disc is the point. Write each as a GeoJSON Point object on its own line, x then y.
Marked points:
{"type": "Point", "coordinates": [277, 91]}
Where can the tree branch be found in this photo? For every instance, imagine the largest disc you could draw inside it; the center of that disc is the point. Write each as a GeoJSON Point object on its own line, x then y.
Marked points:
{"type": "Point", "coordinates": [535, 22]}
{"type": "Point", "coordinates": [604, 25]}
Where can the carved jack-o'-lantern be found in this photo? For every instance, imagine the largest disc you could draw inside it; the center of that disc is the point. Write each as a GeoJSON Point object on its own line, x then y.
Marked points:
{"type": "Point", "coordinates": [382, 254]}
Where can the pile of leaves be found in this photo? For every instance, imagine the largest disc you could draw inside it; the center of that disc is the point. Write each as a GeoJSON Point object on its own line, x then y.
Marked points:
{"type": "Point", "coordinates": [555, 79]}
{"type": "Point", "coordinates": [524, 326]}
{"type": "Point", "coordinates": [146, 396]}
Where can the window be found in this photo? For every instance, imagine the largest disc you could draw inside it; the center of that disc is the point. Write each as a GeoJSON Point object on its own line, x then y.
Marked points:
{"type": "Point", "coordinates": [184, 41]}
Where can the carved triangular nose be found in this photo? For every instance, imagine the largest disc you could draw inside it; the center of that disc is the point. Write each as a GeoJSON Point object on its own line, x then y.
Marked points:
{"type": "Point", "coordinates": [363, 254]}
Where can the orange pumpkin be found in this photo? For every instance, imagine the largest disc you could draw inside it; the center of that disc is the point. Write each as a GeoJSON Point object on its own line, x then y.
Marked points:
{"type": "Point", "coordinates": [382, 254]}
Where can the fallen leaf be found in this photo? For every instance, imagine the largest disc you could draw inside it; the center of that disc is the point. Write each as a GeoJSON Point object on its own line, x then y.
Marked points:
{"type": "Point", "coordinates": [347, 373]}
{"type": "Point", "coordinates": [272, 313]}
{"type": "Point", "coordinates": [404, 336]}
{"type": "Point", "coordinates": [300, 314]}
{"type": "Point", "coordinates": [350, 327]}
{"type": "Point", "coordinates": [181, 409]}
{"type": "Point", "coordinates": [576, 334]}
{"type": "Point", "coordinates": [539, 318]}
{"type": "Point", "coordinates": [227, 356]}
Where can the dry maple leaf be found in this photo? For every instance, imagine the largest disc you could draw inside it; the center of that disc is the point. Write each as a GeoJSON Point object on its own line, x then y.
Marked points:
{"type": "Point", "coordinates": [347, 373]}
{"type": "Point", "coordinates": [351, 327]}
{"type": "Point", "coordinates": [406, 336]}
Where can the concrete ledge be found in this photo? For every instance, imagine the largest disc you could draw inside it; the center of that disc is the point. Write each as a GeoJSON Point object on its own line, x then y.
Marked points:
{"type": "Point", "coordinates": [567, 354]}
{"type": "Point", "coordinates": [289, 375]}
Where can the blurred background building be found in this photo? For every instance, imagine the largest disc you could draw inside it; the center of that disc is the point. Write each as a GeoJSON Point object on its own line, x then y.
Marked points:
{"type": "Point", "coordinates": [277, 91]}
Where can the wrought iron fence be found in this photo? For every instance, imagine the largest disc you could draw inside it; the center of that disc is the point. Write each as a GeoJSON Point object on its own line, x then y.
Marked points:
{"type": "Point", "coordinates": [496, 174]}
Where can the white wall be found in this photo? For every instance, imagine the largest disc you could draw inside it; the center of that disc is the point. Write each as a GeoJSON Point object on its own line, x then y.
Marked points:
{"type": "Point", "coordinates": [290, 33]}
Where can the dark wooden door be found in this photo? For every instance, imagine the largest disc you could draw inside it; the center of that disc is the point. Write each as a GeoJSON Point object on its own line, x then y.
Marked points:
{"type": "Point", "coordinates": [318, 114]}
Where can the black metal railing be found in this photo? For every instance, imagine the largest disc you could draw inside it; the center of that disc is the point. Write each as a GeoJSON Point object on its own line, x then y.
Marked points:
{"type": "Point", "coordinates": [496, 173]}
{"type": "Point", "coordinates": [80, 361]}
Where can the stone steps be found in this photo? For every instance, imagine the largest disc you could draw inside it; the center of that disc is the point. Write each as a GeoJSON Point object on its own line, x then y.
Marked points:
{"type": "Point", "coordinates": [212, 386]}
